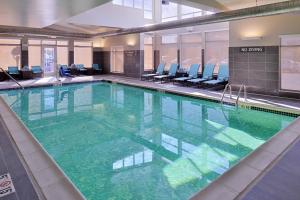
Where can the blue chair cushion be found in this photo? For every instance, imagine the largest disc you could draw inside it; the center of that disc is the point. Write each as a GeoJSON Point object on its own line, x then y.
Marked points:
{"type": "Point", "coordinates": [13, 70]}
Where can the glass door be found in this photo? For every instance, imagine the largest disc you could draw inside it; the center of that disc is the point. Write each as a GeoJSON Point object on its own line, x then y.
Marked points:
{"type": "Point", "coordinates": [49, 60]}
{"type": "Point", "coordinates": [117, 59]}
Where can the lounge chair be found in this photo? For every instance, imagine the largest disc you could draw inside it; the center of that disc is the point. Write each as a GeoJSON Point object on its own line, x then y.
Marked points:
{"type": "Point", "coordinates": [193, 73]}
{"type": "Point", "coordinates": [81, 69]}
{"type": "Point", "coordinates": [170, 75]}
{"type": "Point", "coordinates": [36, 71]}
{"type": "Point", "coordinates": [14, 71]}
{"type": "Point", "coordinates": [64, 71]}
{"type": "Point", "coordinates": [223, 76]}
{"type": "Point", "coordinates": [159, 72]}
{"type": "Point", "coordinates": [97, 69]}
{"type": "Point", "coordinates": [207, 74]}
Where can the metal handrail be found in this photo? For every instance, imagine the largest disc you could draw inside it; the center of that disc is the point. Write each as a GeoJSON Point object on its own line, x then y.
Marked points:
{"type": "Point", "coordinates": [11, 78]}
{"type": "Point", "coordinates": [239, 93]}
{"type": "Point", "coordinates": [242, 87]}
{"type": "Point", "coordinates": [230, 92]}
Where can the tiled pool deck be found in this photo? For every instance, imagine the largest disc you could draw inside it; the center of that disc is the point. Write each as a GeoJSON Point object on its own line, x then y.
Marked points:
{"type": "Point", "coordinates": [241, 182]}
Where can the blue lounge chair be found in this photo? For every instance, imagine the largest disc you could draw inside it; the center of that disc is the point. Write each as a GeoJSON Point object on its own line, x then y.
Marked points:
{"type": "Point", "coordinates": [193, 73]}
{"type": "Point", "coordinates": [97, 69]}
{"type": "Point", "coordinates": [223, 76]}
{"type": "Point", "coordinates": [12, 70]}
{"type": "Point", "coordinates": [36, 71]}
{"type": "Point", "coordinates": [80, 68]}
{"type": "Point", "coordinates": [159, 72]}
{"type": "Point", "coordinates": [170, 75]}
{"type": "Point", "coordinates": [64, 71]}
{"type": "Point", "coordinates": [207, 74]}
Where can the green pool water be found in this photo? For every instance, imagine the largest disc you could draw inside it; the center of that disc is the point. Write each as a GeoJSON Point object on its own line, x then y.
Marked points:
{"type": "Point", "coordinates": [118, 142]}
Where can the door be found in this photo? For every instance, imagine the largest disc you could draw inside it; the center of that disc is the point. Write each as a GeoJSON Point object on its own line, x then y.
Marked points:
{"type": "Point", "coordinates": [49, 60]}
{"type": "Point", "coordinates": [117, 59]}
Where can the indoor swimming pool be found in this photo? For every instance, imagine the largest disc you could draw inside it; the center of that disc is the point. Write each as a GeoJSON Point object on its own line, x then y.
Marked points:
{"type": "Point", "coordinates": [121, 142]}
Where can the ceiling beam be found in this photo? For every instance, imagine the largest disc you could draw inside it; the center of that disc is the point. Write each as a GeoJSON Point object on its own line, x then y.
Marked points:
{"type": "Point", "coordinates": [209, 4]}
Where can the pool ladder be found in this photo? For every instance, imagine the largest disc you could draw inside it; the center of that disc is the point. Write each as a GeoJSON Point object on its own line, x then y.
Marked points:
{"type": "Point", "coordinates": [228, 86]}
{"type": "Point", "coordinates": [12, 78]}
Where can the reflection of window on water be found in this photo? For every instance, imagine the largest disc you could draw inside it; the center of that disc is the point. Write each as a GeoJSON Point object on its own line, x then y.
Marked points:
{"type": "Point", "coordinates": [49, 99]}
{"type": "Point", "coordinates": [118, 97]}
{"type": "Point", "coordinates": [136, 159]}
{"type": "Point", "coordinates": [170, 143]}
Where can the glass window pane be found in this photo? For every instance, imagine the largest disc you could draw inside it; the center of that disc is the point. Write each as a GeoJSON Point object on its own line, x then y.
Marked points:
{"type": "Point", "coordinates": [191, 55]}
{"type": "Point", "coordinates": [148, 53]}
{"type": "Point", "coordinates": [63, 43]}
{"type": "Point", "coordinates": [63, 55]}
{"type": "Point", "coordinates": [128, 3]}
{"type": "Point", "coordinates": [290, 67]}
{"type": "Point", "coordinates": [118, 2]}
{"type": "Point", "coordinates": [83, 43]}
{"type": "Point", "coordinates": [138, 4]}
{"type": "Point", "coordinates": [191, 38]}
{"type": "Point", "coordinates": [49, 42]}
{"type": "Point", "coordinates": [148, 14]}
{"type": "Point", "coordinates": [217, 36]}
{"type": "Point", "coordinates": [10, 55]}
{"type": "Point", "coordinates": [169, 39]}
{"type": "Point", "coordinates": [34, 55]}
{"type": "Point", "coordinates": [168, 55]}
{"type": "Point", "coordinates": [34, 42]}
{"type": "Point", "coordinates": [10, 41]}
{"type": "Point", "coordinates": [187, 16]}
{"type": "Point", "coordinates": [148, 4]}
{"type": "Point", "coordinates": [83, 55]}
{"type": "Point", "coordinates": [186, 9]}
{"type": "Point", "coordinates": [169, 10]}
{"type": "Point", "coordinates": [217, 48]}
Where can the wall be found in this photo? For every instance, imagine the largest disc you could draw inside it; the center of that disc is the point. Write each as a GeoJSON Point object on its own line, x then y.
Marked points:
{"type": "Point", "coordinates": [259, 71]}
{"type": "Point", "coordinates": [133, 55]}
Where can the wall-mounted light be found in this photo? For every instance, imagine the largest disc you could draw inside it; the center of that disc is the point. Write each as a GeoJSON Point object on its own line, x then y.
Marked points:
{"type": "Point", "coordinates": [131, 42]}
{"type": "Point", "coordinates": [250, 38]}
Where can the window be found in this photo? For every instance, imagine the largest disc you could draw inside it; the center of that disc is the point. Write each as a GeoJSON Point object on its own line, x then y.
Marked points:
{"type": "Point", "coordinates": [188, 12]}
{"type": "Point", "coordinates": [34, 55]}
{"type": "Point", "coordinates": [290, 62]}
{"type": "Point", "coordinates": [148, 53]}
{"type": "Point", "coordinates": [145, 5]}
{"type": "Point", "coordinates": [83, 53]}
{"type": "Point", "coordinates": [10, 53]}
{"type": "Point", "coordinates": [128, 3]}
{"type": "Point", "coordinates": [138, 4]}
{"type": "Point", "coordinates": [35, 51]}
{"type": "Point", "coordinates": [168, 50]}
{"type": "Point", "coordinates": [216, 48]}
{"type": "Point", "coordinates": [191, 50]}
{"type": "Point", "coordinates": [169, 12]}
{"type": "Point", "coordinates": [63, 52]}
{"type": "Point", "coordinates": [118, 2]}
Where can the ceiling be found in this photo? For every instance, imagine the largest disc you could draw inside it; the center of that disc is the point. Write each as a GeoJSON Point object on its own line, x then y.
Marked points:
{"type": "Point", "coordinates": [63, 17]}
{"type": "Point", "coordinates": [42, 13]}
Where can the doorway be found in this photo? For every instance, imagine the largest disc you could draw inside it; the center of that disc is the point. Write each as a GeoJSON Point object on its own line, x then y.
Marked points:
{"type": "Point", "coordinates": [49, 60]}
{"type": "Point", "coordinates": [117, 59]}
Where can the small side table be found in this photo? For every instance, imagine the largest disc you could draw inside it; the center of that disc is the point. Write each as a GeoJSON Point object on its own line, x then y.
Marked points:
{"type": "Point", "coordinates": [26, 74]}
{"type": "Point", "coordinates": [3, 76]}
{"type": "Point", "coordinates": [89, 71]}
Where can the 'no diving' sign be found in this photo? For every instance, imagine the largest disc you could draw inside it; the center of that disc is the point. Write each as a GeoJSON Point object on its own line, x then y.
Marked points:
{"type": "Point", "coordinates": [6, 185]}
